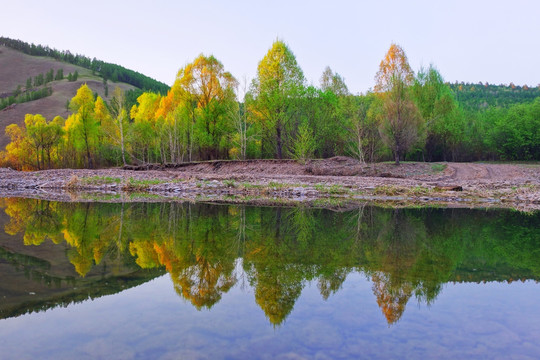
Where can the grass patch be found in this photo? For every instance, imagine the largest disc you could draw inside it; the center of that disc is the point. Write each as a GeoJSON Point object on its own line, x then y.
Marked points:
{"type": "Point", "coordinates": [438, 167]}
{"type": "Point", "coordinates": [334, 189]}
{"type": "Point", "coordinates": [277, 185]}
{"type": "Point", "coordinates": [144, 195]}
{"type": "Point", "coordinates": [202, 183]}
{"type": "Point", "coordinates": [328, 202]}
{"type": "Point", "coordinates": [100, 180]}
{"type": "Point", "coordinates": [230, 183]}
{"type": "Point", "coordinates": [134, 185]}
{"type": "Point", "coordinates": [387, 190]}
{"type": "Point", "coordinates": [247, 185]}
{"type": "Point", "coordinates": [418, 191]}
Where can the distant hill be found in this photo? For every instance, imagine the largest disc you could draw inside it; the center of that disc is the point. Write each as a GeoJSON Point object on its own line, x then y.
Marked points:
{"type": "Point", "coordinates": [482, 96]}
{"type": "Point", "coordinates": [16, 67]}
{"type": "Point", "coordinates": [20, 62]}
{"type": "Point", "coordinates": [105, 70]}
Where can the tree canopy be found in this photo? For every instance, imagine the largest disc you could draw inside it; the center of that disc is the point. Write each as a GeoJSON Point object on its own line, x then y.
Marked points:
{"type": "Point", "coordinates": [407, 116]}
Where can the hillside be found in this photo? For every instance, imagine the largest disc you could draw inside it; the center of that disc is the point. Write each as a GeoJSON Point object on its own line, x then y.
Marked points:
{"type": "Point", "coordinates": [16, 67]}
{"type": "Point", "coordinates": [483, 96]}
{"type": "Point", "coordinates": [40, 278]}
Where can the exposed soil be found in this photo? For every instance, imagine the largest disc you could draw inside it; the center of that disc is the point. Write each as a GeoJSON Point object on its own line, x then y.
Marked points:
{"type": "Point", "coordinates": [332, 181]}
{"type": "Point", "coordinates": [16, 67]}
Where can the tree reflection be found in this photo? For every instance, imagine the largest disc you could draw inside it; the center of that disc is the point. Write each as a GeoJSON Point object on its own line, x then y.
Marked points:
{"type": "Point", "coordinates": [405, 253]}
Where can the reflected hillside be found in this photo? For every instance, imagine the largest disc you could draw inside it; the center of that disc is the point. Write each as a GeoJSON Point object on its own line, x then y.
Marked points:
{"type": "Point", "coordinates": [407, 253]}
{"type": "Point", "coordinates": [45, 263]}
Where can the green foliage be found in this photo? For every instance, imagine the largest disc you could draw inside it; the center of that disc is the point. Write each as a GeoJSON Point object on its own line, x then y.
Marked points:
{"type": "Point", "coordinates": [516, 132]}
{"type": "Point", "coordinates": [99, 180]}
{"type": "Point", "coordinates": [270, 100]}
{"type": "Point", "coordinates": [49, 76]}
{"type": "Point", "coordinates": [82, 127]}
{"type": "Point", "coordinates": [406, 253]}
{"type": "Point", "coordinates": [136, 185]}
{"type": "Point", "coordinates": [333, 82]}
{"type": "Point", "coordinates": [413, 118]}
{"type": "Point", "coordinates": [107, 70]}
{"type": "Point", "coordinates": [320, 111]}
{"type": "Point", "coordinates": [480, 96]}
{"type": "Point", "coordinates": [304, 144]}
{"type": "Point", "coordinates": [28, 95]}
{"type": "Point", "coordinates": [361, 116]}
{"type": "Point", "coordinates": [230, 183]}
{"type": "Point", "coordinates": [38, 80]}
{"type": "Point", "coordinates": [439, 111]}
{"type": "Point", "coordinates": [401, 125]}
{"type": "Point", "coordinates": [207, 92]}
{"type": "Point", "coordinates": [59, 74]}
{"type": "Point", "coordinates": [438, 167]}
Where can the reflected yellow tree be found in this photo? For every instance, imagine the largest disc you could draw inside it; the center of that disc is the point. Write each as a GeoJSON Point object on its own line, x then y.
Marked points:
{"type": "Point", "coordinates": [199, 254]}
{"type": "Point", "coordinates": [406, 253]}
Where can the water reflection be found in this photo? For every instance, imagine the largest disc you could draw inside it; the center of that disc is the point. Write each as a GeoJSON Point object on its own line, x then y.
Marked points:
{"type": "Point", "coordinates": [406, 253]}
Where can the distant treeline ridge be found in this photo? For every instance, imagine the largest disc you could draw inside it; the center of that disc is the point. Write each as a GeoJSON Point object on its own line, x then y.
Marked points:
{"type": "Point", "coordinates": [108, 71]}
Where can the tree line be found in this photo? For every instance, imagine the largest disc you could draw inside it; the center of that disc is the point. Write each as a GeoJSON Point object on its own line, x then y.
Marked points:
{"type": "Point", "coordinates": [30, 91]}
{"type": "Point", "coordinates": [407, 116]}
{"type": "Point", "coordinates": [478, 96]}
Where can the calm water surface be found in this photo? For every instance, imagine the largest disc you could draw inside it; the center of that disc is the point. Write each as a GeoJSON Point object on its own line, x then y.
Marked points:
{"type": "Point", "coordinates": [198, 281]}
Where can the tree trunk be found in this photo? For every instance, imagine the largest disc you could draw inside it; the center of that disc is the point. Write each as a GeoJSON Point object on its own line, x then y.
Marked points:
{"type": "Point", "coordinates": [278, 143]}
{"type": "Point", "coordinates": [122, 142]}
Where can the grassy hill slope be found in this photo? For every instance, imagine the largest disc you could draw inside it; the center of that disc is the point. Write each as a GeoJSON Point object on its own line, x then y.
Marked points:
{"type": "Point", "coordinates": [16, 67]}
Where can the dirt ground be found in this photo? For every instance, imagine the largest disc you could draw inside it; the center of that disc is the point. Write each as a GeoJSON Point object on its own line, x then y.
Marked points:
{"type": "Point", "coordinates": [278, 181]}
{"type": "Point", "coordinates": [16, 67]}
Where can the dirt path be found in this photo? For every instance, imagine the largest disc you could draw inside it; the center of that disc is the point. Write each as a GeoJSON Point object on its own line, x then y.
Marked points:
{"type": "Point", "coordinates": [502, 185]}
{"type": "Point", "coordinates": [466, 171]}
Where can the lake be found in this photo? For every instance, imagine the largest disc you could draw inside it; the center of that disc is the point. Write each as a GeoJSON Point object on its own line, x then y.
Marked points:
{"type": "Point", "coordinates": [202, 281]}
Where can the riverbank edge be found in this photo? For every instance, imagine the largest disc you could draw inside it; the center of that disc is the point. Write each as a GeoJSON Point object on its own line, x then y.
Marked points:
{"type": "Point", "coordinates": [266, 191]}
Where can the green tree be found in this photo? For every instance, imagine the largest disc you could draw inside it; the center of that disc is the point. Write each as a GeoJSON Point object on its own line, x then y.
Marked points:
{"type": "Point", "coordinates": [210, 90]}
{"type": "Point", "coordinates": [82, 124]}
{"type": "Point", "coordinates": [43, 136]}
{"type": "Point", "coordinates": [49, 76]}
{"type": "Point", "coordinates": [143, 134]}
{"type": "Point", "coordinates": [331, 81]}
{"type": "Point", "coordinates": [304, 145]}
{"type": "Point", "coordinates": [278, 82]}
{"type": "Point", "coordinates": [320, 110]}
{"type": "Point", "coordinates": [59, 74]}
{"type": "Point", "coordinates": [38, 80]}
{"type": "Point", "coordinates": [106, 87]}
{"type": "Point", "coordinates": [120, 121]}
{"type": "Point", "coordinates": [439, 110]}
{"type": "Point", "coordinates": [360, 114]}
{"type": "Point", "coordinates": [401, 122]}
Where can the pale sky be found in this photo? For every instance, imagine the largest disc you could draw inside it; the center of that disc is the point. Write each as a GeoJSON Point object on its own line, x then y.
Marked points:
{"type": "Point", "coordinates": [471, 41]}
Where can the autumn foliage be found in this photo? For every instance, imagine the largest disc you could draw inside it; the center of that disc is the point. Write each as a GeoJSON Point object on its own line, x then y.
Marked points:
{"type": "Point", "coordinates": [202, 117]}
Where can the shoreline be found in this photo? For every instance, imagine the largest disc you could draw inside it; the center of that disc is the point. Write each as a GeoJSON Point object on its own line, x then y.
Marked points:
{"type": "Point", "coordinates": [510, 186]}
